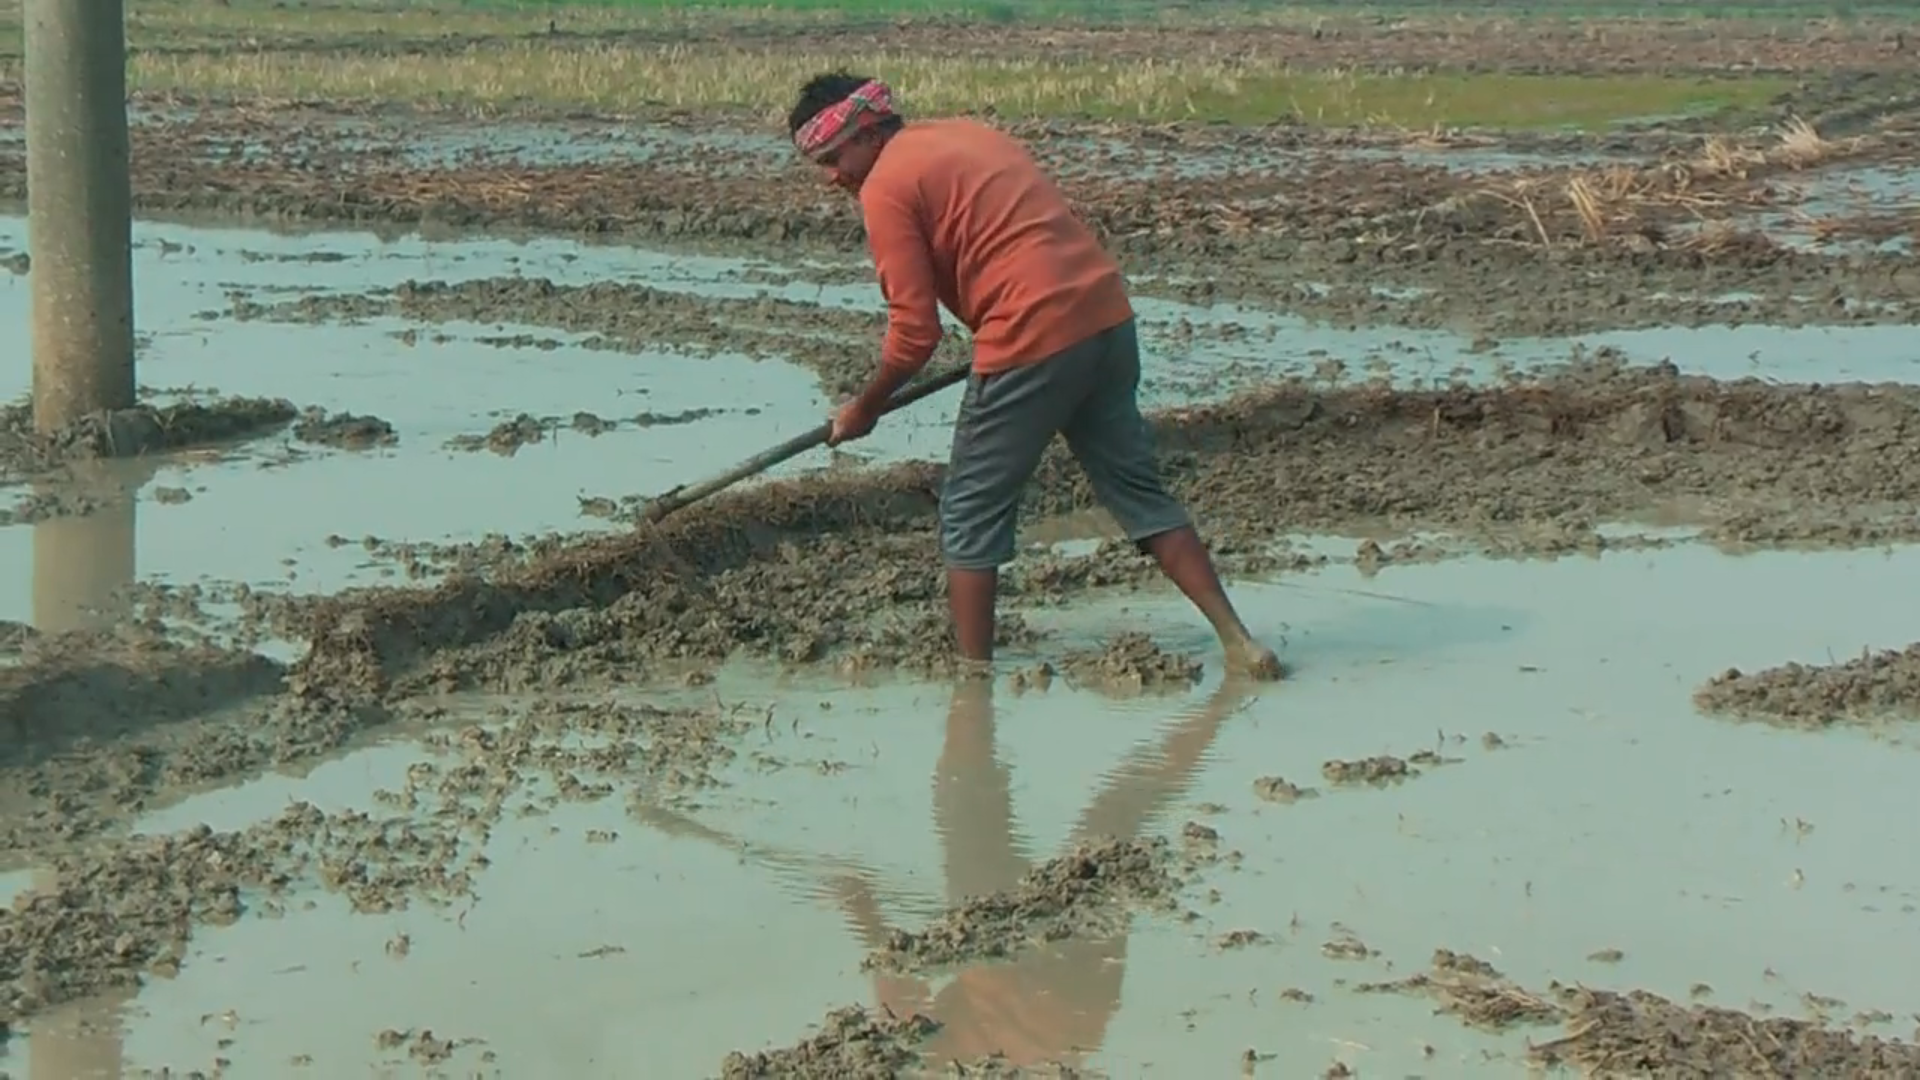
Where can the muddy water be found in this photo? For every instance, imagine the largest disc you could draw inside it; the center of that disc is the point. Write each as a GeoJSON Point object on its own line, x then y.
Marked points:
{"type": "Point", "coordinates": [603, 424]}
{"type": "Point", "coordinates": [523, 345]}
{"type": "Point", "coordinates": [848, 830]}
{"type": "Point", "coordinates": [1605, 834]}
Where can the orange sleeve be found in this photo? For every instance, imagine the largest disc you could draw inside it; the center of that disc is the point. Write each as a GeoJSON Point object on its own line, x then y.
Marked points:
{"type": "Point", "coordinates": [903, 258]}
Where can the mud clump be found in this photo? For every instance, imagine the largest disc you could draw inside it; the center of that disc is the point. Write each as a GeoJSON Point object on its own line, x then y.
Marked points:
{"type": "Point", "coordinates": [1638, 1033]}
{"type": "Point", "coordinates": [344, 431]}
{"type": "Point", "coordinates": [138, 431]}
{"type": "Point", "coordinates": [507, 437]}
{"type": "Point", "coordinates": [1873, 686]}
{"type": "Point", "coordinates": [1474, 991]}
{"type": "Point", "coordinates": [1087, 891]}
{"type": "Point", "coordinates": [1642, 1034]}
{"type": "Point", "coordinates": [1131, 663]}
{"type": "Point", "coordinates": [852, 1044]}
{"type": "Point", "coordinates": [423, 1046]}
{"type": "Point", "coordinates": [1279, 789]}
{"type": "Point", "coordinates": [105, 920]}
{"type": "Point", "coordinates": [1382, 769]}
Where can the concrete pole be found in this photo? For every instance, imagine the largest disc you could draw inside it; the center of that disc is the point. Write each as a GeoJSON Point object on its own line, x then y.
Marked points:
{"type": "Point", "coordinates": [79, 209]}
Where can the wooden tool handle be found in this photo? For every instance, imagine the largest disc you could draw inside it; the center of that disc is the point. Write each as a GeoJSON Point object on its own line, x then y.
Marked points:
{"type": "Point", "coordinates": [686, 495]}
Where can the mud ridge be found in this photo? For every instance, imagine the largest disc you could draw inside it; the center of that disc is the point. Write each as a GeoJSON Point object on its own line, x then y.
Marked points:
{"type": "Point", "coordinates": [834, 342]}
{"type": "Point", "coordinates": [1872, 686]}
{"type": "Point", "coordinates": [1451, 288]}
{"type": "Point", "coordinates": [1533, 466]}
{"type": "Point", "coordinates": [134, 432]}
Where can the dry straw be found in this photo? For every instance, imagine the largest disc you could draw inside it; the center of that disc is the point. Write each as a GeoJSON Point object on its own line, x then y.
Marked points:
{"type": "Point", "coordinates": [1724, 176]}
{"type": "Point", "coordinates": [1020, 79]}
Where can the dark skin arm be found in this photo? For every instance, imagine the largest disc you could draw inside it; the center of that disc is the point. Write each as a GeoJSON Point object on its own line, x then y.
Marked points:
{"type": "Point", "coordinates": [856, 418]}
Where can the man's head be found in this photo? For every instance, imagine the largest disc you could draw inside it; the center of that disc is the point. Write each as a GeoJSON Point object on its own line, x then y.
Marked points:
{"type": "Point", "coordinates": [841, 122]}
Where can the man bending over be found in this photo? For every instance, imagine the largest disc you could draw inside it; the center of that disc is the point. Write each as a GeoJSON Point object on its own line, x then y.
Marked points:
{"type": "Point", "coordinates": [959, 214]}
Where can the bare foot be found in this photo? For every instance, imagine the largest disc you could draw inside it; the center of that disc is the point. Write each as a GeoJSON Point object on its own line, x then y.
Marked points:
{"type": "Point", "coordinates": [1252, 659]}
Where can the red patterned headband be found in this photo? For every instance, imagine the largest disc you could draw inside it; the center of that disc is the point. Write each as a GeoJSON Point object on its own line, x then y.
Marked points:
{"type": "Point", "coordinates": [830, 129]}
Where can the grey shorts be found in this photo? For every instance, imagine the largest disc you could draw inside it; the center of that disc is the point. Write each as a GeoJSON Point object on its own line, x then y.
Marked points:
{"type": "Point", "coordinates": [1088, 393]}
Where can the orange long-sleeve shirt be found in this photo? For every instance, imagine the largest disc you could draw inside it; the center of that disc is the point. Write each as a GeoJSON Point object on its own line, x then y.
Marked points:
{"type": "Point", "coordinates": [959, 214]}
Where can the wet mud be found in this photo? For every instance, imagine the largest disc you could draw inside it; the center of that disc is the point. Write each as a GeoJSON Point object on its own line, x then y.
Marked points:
{"type": "Point", "coordinates": [344, 431]}
{"type": "Point", "coordinates": [60, 789]}
{"type": "Point", "coordinates": [1382, 769]}
{"type": "Point", "coordinates": [121, 910]}
{"type": "Point", "coordinates": [1131, 663]}
{"type": "Point", "coordinates": [852, 1044]}
{"type": "Point", "coordinates": [135, 432]}
{"type": "Point", "coordinates": [87, 686]}
{"type": "Point", "coordinates": [1529, 467]}
{"type": "Point", "coordinates": [1874, 686]}
{"type": "Point", "coordinates": [510, 436]}
{"type": "Point", "coordinates": [836, 343]}
{"type": "Point", "coordinates": [843, 569]}
{"type": "Point", "coordinates": [1455, 289]}
{"type": "Point", "coordinates": [1684, 215]}
{"type": "Point", "coordinates": [1087, 892]}
{"type": "Point", "coordinates": [1637, 1033]}
{"type": "Point", "coordinates": [1281, 790]}
{"type": "Point", "coordinates": [507, 437]}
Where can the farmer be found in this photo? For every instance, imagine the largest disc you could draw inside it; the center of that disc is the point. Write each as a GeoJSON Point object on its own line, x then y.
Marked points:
{"type": "Point", "coordinates": [959, 214]}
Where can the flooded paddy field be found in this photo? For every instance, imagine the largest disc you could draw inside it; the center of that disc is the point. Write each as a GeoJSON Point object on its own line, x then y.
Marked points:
{"type": "Point", "coordinates": [356, 721]}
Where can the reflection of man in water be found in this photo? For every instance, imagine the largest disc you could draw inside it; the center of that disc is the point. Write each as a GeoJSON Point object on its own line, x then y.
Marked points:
{"type": "Point", "coordinates": [1053, 1003]}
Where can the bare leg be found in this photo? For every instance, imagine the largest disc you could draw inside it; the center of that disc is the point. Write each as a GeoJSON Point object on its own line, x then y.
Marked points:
{"type": "Point", "coordinates": [1186, 562]}
{"type": "Point", "coordinates": [970, 600]}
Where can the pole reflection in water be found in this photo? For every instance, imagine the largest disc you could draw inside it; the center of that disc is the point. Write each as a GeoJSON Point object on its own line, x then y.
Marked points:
{"type": "Point", "coordinates": [83, 565]}
{"type": "Point", "coordinates": [82, 568]}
